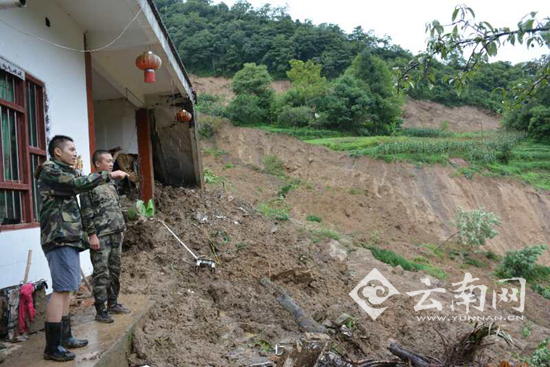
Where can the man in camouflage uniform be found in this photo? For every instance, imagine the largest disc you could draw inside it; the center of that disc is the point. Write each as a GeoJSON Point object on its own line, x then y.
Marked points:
{"type": "Point", "coordinates": [63, 238]}
{"type": "Point", "coordinates": [104, 223]}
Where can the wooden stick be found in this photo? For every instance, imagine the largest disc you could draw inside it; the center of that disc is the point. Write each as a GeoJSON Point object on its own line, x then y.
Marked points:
{"type": "Point", "coordinates": [28, 268]}
{"type": "Point", "coordinates": [88, 285]}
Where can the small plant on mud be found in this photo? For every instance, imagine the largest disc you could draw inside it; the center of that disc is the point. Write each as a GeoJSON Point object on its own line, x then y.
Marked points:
{"type": "Point", "coordinates": [274, 211]}
{"type": "Point", "coordinates": [288, 187]}
{"type": "Point", "coordinates": [273, 165]}
{"type": "Point", "coordinates": [527, 328]}
{"type": "Point", "coordinates": [314, 218]}
{"type": "Point", "coordinates": [141, 210]}
{"type": "Point", "coordinates": [324, 234]}
{"type": "Point", "coordinates": [210, 177]}
{"type": "Point", "coordinates": [476, 226]}
{"type": "Point", "coordinates": [541, 356]}
{"type": "Point", "coordinates": [375, 237]}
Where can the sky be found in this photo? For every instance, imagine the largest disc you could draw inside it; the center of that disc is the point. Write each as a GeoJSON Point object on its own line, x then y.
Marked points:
{"type": "Point", "coordinates": [404, 21]}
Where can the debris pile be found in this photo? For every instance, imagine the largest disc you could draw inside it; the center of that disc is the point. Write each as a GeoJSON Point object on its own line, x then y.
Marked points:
{"type": "Point", "coordinates": [271, 291]}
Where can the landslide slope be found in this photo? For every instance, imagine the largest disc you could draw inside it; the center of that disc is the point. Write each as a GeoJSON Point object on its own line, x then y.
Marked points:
{"type": "Point", "coordinates": [399, 201]}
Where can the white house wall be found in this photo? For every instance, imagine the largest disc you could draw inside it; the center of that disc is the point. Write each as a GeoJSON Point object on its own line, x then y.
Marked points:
{"type": "Point", "coordinates": [115, 125]}
{"type": "Point", "coordinates": [63, 73]}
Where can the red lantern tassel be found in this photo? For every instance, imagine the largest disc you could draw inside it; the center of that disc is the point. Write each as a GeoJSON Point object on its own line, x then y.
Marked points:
{"type": "Point", "coordinates": [149, 76]}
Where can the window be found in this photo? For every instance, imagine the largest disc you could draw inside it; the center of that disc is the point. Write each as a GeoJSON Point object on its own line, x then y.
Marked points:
{"type": "Point", "coordinates": [22, 149]}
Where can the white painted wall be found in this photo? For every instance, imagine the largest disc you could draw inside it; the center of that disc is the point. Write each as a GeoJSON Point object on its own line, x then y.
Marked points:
{"type": "Point", "coordinates": [115, 125]}
{"type": "Point", "coordinates": [63, 73]}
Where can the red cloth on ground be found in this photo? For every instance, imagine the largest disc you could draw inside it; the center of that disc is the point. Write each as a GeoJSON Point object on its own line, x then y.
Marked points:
{"type": "Point", "coordinates": [26, 307]}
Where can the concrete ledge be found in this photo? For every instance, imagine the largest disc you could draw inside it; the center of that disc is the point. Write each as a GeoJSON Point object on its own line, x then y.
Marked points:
{"type": "Point", "coordinates": [109, 344]}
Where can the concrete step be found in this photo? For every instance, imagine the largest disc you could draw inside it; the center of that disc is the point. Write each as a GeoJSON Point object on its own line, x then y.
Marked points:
{"type": "Point", "coordinates": [109, 344]}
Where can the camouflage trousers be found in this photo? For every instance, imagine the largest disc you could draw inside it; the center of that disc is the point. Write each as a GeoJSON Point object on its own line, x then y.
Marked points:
{"type": "Point", "coordinates": [106, 262]}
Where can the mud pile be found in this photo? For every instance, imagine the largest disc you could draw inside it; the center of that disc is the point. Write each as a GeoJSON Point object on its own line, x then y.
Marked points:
{"type": "Point", "coordinates": [227, 318]}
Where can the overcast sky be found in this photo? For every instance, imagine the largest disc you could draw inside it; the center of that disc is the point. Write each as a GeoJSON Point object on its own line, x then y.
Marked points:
{"type": "Point", "coordinates": [404, 20]}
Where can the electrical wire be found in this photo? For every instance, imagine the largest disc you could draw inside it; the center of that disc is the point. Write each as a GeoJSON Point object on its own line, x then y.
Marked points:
{"type": "Point", "coordinates": [69, 48]}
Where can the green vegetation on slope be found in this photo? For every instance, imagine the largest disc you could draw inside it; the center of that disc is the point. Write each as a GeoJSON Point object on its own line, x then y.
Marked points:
{"type": "Point", "coordinates": [494, 154]}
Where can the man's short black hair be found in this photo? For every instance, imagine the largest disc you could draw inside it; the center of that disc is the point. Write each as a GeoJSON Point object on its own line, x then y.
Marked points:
{"type": "Point", "coordinates": [98, 153]}
{"type": "Point", "coordinates": [58, 141]}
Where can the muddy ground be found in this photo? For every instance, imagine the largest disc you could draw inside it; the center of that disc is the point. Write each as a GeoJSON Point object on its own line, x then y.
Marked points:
{"type": "Point", "coordinates": [227, 318]}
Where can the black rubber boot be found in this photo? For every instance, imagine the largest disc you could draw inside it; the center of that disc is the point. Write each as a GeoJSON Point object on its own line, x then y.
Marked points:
{"type": "Point", "coordinates": [102, 315]}
{"type": "Point", "coordinates": [67, 338]}
{"type": "Point", "coordinates": [54, 350]}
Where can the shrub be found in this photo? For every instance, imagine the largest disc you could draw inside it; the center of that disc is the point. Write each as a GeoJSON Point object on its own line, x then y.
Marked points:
{"type": "Point", "coordinates": [545, 292]}
{"type": "Point", "coordinates": [295, 116]}
{"type": "Point", "coordinates": [246, 109]}
{"type": "Point", "coordinates": [475, 227]}
{"type": "Point", "coordinates": [521, 263]}
{"type": "Point", "coordinates": [210, 104]}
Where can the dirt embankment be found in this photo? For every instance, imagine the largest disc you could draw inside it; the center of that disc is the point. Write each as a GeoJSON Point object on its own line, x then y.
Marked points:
{"type": "Point", "coordinates": [459, 119]}
{"type": "Point", "coordinates": [415, 113]}
{"type": "Point", "coordinates": [401, 202]}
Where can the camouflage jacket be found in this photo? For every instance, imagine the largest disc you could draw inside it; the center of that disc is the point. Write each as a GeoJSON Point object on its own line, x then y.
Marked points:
{"type": "Point", "coordinates": [60, 221]}
{"type": "Point", "coordinates": [101, 211]}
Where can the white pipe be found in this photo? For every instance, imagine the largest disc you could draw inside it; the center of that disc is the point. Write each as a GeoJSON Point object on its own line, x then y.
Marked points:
{"type": "Point", "coordinates": [6, 4]}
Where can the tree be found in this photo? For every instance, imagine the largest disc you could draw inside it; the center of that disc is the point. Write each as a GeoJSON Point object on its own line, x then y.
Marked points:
{"type": "Point", "coordinates": [346, 106]}
{"type": "Point", "coordinates": [385, 110]}
{"type": "Point", "coordinates": [254, 95]}
{"type": "Point", "coordinates": [255, 80]}
{"type": "Point", "coordinates": [532, 116]}
{"type": "Point", "coordinates": [307, 81]}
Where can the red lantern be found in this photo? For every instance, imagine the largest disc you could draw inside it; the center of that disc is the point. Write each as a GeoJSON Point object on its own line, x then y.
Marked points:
{"type": "Point", "coordinates": [149, 62]}
{"type": "Point", "coordinates": [183, 116]}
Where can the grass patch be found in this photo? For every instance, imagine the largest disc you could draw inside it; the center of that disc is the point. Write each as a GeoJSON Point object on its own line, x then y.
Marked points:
{"type": "Point", "coordinates": [475, 263]}
{"type": "Point", "coordinates": [314, 218]}
{"type": "Point", "coordinates": [493, 256]}
{"type": "Point", "coordinates": [290, 185]}
{"type": "Point", "coordinates": [273, 165]}
{"type": "Point", "coordinates": [274, 211]}
{"type": "Point", "coordinates": [393, 259]}
{"type": "Point", "coordinates": [214, 152]}
{"type": "Point", "coordinates": [324, 234]}
{"type": "Point", "coordinates": [433, 248]}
